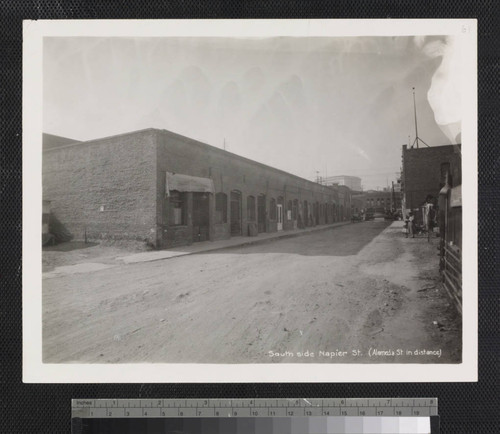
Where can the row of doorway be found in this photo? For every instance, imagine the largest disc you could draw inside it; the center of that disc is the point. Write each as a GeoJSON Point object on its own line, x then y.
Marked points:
{"type": "Point", "coordinates": [277, 212]}
{"type": "Point", "coordinates": [201, 220]}
{"type": "Point", "coordinates": [236, 206]}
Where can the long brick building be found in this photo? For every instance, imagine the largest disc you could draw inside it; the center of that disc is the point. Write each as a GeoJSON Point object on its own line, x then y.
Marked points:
{"type": "Point", "coordinates": [169, 190]}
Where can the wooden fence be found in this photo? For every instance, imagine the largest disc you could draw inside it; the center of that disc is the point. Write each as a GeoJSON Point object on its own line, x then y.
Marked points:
{"type": "Point", "coordinates": [451, 243]}
{"type": "Point", "coordinates": [452, 274]}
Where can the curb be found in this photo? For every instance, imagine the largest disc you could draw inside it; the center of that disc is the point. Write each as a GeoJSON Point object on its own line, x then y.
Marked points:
{"type": "Point", "coordinates": [258, 241]}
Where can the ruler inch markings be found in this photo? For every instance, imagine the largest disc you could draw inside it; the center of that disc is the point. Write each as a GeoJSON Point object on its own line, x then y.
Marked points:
{"type": "Point", "coordinates": [254, 408]}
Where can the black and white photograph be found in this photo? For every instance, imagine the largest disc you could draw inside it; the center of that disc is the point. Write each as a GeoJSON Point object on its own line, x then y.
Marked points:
{"type": "Point", "coordinates": [244, 200]}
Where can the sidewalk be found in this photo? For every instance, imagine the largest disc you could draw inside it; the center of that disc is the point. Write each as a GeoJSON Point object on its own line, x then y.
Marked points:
{"type": "Point", "coordinates": [210, 246]}
{"type": "Point", "coordinates": [97, 264]}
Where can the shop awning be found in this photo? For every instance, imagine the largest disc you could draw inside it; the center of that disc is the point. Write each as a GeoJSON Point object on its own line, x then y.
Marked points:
{"type": "Point", "coordinates": [176, 181]}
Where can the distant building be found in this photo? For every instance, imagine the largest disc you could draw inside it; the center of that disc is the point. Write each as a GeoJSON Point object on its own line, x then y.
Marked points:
{"type": "Point", "coordinates": [352, 182]}
{"type": "Point", "coordinates": [396, 195]}
{"type": "Point", "coordinates": [374, 200]}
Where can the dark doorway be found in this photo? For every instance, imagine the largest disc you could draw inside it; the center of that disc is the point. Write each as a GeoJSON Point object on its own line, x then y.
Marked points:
{"type": "Point", "coordinates": [235, 212]}
{"type": "Point", "coordinates": [201, 219]}
{"type": "Point", "coordinates": [261, 213]}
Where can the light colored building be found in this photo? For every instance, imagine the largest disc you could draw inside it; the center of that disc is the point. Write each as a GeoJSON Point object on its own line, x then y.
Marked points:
{"type": "Point", "coordinates": [352, 182]}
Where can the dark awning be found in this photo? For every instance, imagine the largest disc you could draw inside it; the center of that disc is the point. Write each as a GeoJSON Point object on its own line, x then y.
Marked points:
{"type": "Point", "coordinates": [176, 181]}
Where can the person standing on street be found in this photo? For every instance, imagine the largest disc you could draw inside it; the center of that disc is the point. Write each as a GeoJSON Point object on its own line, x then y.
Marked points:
{"type": "Point", "coordinates": [411, 224]}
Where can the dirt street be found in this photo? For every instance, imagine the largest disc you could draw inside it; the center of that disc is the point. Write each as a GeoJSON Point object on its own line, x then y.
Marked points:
{"type": "Point", "coordinates": [358, 293]}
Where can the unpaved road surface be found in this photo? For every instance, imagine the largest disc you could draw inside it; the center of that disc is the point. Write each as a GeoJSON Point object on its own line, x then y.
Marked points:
{"type": "Point", "coordinates": [358, 293]}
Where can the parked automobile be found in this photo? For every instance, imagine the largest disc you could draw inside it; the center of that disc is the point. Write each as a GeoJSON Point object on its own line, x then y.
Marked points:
{"type": "Point", "coordinates": [356, 218]}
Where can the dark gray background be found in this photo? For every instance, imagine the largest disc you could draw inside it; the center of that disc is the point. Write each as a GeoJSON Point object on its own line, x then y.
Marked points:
{"type": "Point", "coordinates": [39, 408]}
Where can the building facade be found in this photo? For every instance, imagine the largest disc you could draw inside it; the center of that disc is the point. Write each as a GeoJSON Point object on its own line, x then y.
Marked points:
{"type": "Point", "coordinates": [434, 176]}
{"type": "Point", "coordinates": [397, 196]}
{"type": "Point", "coordinates": [374, 200]}
{"type": "Point", "coordinates": [351, 182]}
{"type": "Point", "coordinates": [424, 173]}
{"type": "Point", "coordinates": [170, 190]}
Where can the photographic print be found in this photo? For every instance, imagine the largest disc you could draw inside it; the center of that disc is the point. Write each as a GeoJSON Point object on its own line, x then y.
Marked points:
{"type": "Point", "coordinates": [218, 200]}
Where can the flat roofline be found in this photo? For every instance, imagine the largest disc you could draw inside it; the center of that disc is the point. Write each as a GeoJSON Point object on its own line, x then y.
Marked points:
{"type": "Point", "coordinates": [87, 142]}
{"type": "Point", "coordinates": [432, 147]}
{"type": "Point", "coordinates": [60, 137]}
{"type": "Point", "coordinates": [197, 143]}
{"type": "Point", "coordinates": [248, 160]}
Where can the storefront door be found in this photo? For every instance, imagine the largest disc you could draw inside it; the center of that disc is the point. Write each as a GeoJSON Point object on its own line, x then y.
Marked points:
{"type": "Point", "coordinates": [261, 213]}
{"type": "Point", "coordinates": [279, 216]}
{"type": "Point", "coordinates": [235, 213]}
{"type": "Point", "coordinates": [201, 218]}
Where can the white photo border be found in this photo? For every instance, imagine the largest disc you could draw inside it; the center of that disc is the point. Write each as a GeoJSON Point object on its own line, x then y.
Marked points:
{"type": "Point", "coordinates": [35, 371]}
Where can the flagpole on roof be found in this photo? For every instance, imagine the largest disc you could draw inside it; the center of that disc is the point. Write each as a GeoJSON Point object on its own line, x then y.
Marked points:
{"type": "Point", "coordinates": [416, 129]}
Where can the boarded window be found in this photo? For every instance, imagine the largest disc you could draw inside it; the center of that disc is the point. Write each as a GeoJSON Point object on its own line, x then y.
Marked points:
{"type": "Point", "coordinates": [220, 208]}
{"type": "Point", "coordinates": [177, 206]}
{"type": "Point", "coordinates": [251, 208]}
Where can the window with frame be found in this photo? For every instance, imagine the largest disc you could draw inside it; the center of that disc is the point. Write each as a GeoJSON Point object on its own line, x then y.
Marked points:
{"type": "Point", "coordinates": [177, 206]}
{"type": "Point", "coordinates": [220, 208]}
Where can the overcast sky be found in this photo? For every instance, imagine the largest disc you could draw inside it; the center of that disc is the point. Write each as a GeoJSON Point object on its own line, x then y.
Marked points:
{"type": "Point", "coordinates": [340, 106]}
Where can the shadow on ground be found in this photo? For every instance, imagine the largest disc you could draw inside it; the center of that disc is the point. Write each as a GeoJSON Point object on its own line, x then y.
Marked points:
{"type": "Point", "coordinates": [338, 241]}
